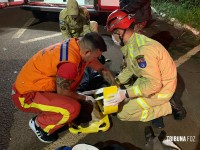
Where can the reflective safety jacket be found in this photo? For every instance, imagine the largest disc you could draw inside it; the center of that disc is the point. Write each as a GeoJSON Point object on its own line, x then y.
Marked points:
{"type": "Point", "coordinates": [154, 68]}
{"type": "Point", "coordinates": [39, 73]}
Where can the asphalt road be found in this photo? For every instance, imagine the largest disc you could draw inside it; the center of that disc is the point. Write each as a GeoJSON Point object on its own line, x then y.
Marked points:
{"type": "Point", "coordinates": [21, 36]}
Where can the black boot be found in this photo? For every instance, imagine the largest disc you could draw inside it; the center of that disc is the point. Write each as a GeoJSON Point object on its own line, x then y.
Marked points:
{"type": "Point", "coordinates": [178, 110]}
{"type": "Point", "coordinates": [158, 123]}
{"type": "Point", "coordinates": [149, 134]}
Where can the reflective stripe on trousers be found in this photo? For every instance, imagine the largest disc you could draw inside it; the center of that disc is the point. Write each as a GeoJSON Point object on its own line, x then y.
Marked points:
{"type": "Point", "coordinates": [42, 107]}
{"type": "Point", "coordinates": [27, 104]}
{"type": "Point", "coordinates": [145, 108]}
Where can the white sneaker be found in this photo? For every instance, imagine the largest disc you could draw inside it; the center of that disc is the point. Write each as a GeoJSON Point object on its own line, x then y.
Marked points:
{"type": "Point", "coordinates": [42, 136]}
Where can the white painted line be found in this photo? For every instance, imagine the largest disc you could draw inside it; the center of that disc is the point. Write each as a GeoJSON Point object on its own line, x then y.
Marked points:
{"type": "Point", "coordinates": [40, 38]}
{"type": "Point", "coordinates": [187, 56]}
{"type": "Point", "coordinates": [23, 29]}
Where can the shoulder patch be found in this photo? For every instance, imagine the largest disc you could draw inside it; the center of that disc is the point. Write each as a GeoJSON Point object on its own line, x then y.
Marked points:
{"type": "Point", "coordinates": [141, 61]}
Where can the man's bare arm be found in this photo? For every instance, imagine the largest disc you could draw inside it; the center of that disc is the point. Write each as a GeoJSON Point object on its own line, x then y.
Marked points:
{"type": "Point", "coordinates": [63, 87]}
{"type": "Point", "coordinates": [104, 71]}
{"type": "Point", "coordinates": [107, 75]}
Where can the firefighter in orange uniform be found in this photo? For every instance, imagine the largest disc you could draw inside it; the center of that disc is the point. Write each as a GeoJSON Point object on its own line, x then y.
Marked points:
{"type": "Point", "coordinates": [149, 63]}
{"type": "Point", "coordinates": [47, 83]}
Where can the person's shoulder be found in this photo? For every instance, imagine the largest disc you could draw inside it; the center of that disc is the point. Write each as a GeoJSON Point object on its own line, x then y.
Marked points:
{"type": "Point", "coordinates": [143, 42]}
{"type": "Point", "coordinates": [64, 12]}
{"type": "Point", "coordinates": [83, 8]}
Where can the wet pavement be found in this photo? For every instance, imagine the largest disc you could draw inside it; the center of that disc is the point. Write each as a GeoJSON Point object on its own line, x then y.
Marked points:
{"type": "Point", "coordinates": [14, 52]}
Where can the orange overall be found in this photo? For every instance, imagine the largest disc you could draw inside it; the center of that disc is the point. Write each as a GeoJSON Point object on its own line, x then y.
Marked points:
{"type": "Point", "coordinates": [35, 86]}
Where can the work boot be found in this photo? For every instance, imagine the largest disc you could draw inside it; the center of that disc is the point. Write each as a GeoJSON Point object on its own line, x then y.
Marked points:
{"type": "Point", "coordinates": [162, 136]}
{"type": "Point", "coordinates": [149, 134]}
{"type": "Point", "coordinates": [158, 123]}
{"type": "Point", "coordinates": [42, 136]}
{"type": "Point", "coordinates": [178, 110]}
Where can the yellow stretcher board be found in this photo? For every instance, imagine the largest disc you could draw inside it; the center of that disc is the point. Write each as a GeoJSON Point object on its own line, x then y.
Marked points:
{"type": "Point", "coordinates": [112, 90]}
{"type": "Point", "coordinates": [103, 124]}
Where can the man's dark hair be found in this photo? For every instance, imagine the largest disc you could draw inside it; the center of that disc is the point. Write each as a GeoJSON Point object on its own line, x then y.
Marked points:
{"type": "Point", "coordinates": [94, 41]}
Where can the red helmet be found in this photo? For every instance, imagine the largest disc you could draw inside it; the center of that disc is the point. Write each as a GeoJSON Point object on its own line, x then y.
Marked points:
{"type": "Point", "coordinates": [118, 19]}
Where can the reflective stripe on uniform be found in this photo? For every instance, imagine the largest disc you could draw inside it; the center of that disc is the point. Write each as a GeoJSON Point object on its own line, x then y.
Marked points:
{"type": "Point", "coordinates": [64, 51]}
{"type": "Point", "coordinates": [130, 48]}
{"type": "Point", "coordinates": [163, 96]}
{"type": "Point", "coordinates": [42, 107]}
{"type": "Point", "coordinates": [142, 103]}
{"type": "Point", "coordinates": [140, 40]}
{"type": "Point", "coordinates": [145, 106]}
{"type": "Point", "coordinates": [137, 91]}
{"type": "Point", "coordinates": [144, 115]}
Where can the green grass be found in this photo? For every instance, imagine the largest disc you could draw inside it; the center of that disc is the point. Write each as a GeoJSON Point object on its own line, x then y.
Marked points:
{"type": "Point", "coordinates": [185, 15]}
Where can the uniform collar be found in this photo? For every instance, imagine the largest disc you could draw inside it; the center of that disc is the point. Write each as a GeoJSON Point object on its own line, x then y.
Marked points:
{"type": "Point", "coordinates": [131, 40]}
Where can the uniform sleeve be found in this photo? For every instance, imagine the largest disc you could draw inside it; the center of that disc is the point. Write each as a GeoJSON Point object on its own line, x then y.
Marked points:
{"type": "Point", "coordinates": [68, 71]}
{"type": "Point", "coordinates": [96, 65]}
{"type": "Point", "coordinates": [125, 75]}
{"type": "Point", "coordinates": [133, 5]}
{"type": "Point", "coordinates": [63, 25]}
{"type": "Point", "coordinates": [150, 81]}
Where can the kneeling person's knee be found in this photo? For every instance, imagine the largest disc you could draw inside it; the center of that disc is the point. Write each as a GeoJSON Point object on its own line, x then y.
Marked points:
{"type": "Point", "coordinates": [74, 110]}
{"type": "Point", "coordinates": [122, 117]}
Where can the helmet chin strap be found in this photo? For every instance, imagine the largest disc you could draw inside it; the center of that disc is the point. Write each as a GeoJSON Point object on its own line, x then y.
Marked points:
{"type": "Point", "coordinates": [121, 38]}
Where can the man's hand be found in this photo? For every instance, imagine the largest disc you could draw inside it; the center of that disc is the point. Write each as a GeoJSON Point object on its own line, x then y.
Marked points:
{"type": "Point", "coordinates": [103, 71]}
{"type": "Point", "coordinates": [117, 98]}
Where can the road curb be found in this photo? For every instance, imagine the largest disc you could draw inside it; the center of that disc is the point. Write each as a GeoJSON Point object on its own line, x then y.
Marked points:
{"type": "Point", "coordinates": [175, 22]}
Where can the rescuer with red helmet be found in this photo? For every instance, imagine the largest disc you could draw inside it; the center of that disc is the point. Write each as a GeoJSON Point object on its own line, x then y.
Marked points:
{"type": "Point", "coordinates": [152, 68]}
